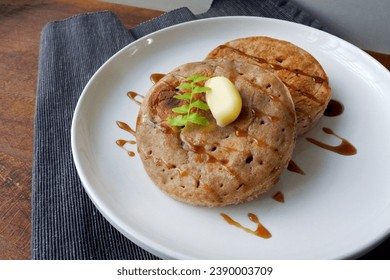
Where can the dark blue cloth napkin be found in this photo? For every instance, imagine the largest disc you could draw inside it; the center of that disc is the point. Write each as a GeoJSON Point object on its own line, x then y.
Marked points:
{"type": "Point", "coordinates": [65, 223]}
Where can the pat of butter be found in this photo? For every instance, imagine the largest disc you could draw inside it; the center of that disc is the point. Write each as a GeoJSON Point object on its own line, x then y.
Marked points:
{"type": "Point", "coordinates": [223, 99]}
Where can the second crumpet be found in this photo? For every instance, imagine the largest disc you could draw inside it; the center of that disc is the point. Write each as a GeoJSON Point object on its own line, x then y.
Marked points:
{"type": "Point", "coordinates": [299, 70]}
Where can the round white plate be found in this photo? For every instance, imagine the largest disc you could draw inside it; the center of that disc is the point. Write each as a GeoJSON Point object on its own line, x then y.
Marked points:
{"type": "Point", "coordinates": [339, 209]}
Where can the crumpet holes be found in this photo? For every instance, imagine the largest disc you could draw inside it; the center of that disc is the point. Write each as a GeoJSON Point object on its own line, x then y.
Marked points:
{"type": "Point", "coordinates": [249, 159]}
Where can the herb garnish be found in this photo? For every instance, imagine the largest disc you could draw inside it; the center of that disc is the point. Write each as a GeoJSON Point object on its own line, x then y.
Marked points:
{"type": "Point", "coordinates": [184, 111]}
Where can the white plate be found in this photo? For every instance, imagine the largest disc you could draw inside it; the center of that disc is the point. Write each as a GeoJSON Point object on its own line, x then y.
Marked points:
{"type": "Point", "coordinates": [339, 209]}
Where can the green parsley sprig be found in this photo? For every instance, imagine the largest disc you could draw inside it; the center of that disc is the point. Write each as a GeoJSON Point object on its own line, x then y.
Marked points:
{"type": "Point", "coordinates": [185, 112]}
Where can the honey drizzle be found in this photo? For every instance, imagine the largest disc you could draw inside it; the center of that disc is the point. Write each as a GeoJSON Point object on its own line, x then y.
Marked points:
{"type": "Point", "coordinates": [260, 231]}
{"type": "Point", "coordinates": [345, 148]}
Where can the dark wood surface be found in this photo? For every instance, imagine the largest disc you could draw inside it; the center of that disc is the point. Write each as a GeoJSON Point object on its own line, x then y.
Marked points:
{"type": "Point", "coordinates": [20, 25]}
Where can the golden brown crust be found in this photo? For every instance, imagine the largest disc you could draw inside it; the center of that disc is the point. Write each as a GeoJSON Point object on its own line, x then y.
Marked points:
{"type": "Point", "coordinates": [299, 70]}
{"type": "Point", "coordinates": [213, 166]}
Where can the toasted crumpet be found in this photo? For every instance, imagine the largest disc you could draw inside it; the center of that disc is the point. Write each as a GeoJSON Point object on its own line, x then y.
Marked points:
{"type": "Point", "coordinates": [299, 70]}
{"type": "Point", "coordinates": [216, 166]}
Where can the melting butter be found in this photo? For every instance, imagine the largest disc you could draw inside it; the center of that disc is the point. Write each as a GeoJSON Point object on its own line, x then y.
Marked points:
{"type": "Point", "coordinates": [223, 99]}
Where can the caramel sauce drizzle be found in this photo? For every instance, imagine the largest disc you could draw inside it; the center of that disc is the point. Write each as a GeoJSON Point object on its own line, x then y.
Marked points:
{"type": "Point", "coordinates": [292, 88]}
{"type": "Point", "coordinates": [260, 115]}
{"type": "Point", "coordinates": [345, 148]}
{"type": "Point", "coordinates": [293, 167]}
{"type": "Point", "coordinates": [133, 95]}
{"type": "Point", "coordinates": [125, 127]}
{"type": "Point", "coordinates": [155, 77]}
{"type": "Point", "coordinates": [209, 158]}
{"type": "Point", "coordinates": [277, 67]}
{"type": "Point", "coordinates": [244, 133]}
{"type": "Point", "coordinates": [121, 143]}
{"type": "Point", "coordinates": [260, 231]}
{"type": "Point", "coordinates": [263, 90]}
{"type": "Point", "coordinates": [334, 108]}
{"type": "Point", "coordinates": [274, 66]}
{"type": "Point", "coordinates": [279, 197]}
{"type": "Point", "coordinates": [212, 192]}
{"type": "Point", "coordinates": [161, 162]}
{"type": "Point", "coordinates": [274, 98]}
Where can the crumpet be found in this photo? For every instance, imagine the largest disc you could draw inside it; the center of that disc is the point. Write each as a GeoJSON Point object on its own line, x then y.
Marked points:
{"type": "Point", "coordinates": [299, 70]}
{"type": "Point", "coordinates": [211, 165]}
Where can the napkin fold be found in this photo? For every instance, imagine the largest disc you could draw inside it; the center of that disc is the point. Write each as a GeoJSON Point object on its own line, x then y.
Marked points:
{"type": "Point", "coordinates": [65, 223]}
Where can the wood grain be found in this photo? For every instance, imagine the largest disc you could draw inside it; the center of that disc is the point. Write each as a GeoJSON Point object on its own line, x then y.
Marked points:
{"type": "Point", "coordinates": [381, 57]}
{"type": "Point", "coordinates": [20, 25]}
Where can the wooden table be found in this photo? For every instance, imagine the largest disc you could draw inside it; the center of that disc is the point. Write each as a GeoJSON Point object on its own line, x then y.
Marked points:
{"type": "Point", "coordinates": [21, 22]}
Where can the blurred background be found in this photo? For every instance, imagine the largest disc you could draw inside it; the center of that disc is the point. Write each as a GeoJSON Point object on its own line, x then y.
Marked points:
{"type": "Point", "coordinates": [363, 23]}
